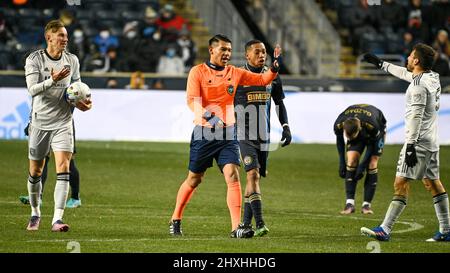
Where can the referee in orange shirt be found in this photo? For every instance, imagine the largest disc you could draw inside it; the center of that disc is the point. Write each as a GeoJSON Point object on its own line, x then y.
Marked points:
{"type": "Point", "coordinates": [211, 88]}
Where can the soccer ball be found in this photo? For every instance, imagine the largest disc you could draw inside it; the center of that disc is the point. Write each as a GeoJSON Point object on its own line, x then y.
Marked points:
{"type": "Point", "coordinates": [76, 92]}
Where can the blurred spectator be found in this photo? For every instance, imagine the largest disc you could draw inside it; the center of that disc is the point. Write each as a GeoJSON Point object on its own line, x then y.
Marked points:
{"type": "Point", "coordinates": [78, 44]}
{"type": "Point", "coordinates": [148, 52]}
{"type": "Point", "coordinates": [441, 65]}
{"type": "Point", "coordinates": [188, 49]}
{"type": "Point", "coordinates": [170, 24]}
{"type": "Point", "coordinates": [110, 62]}
{"type": "Point", "coordinates": [408, 44]}
{"type": "Point", "coordinates": [441, 44]}
{"type": "Point", "coordinates": [418, 15]}
{"type": "Point", "coordinates": [105, 40]}
{"type": "Point", "coordinates": [158, 84]}
{"type": "Point", "coordinates": [391, 16]}
{"type": "Point", "coordinates": [68, 19]}
{"type": "Point", "coordinates": [169, 19]}
{"type": "Point", "coordinates": [170, 63]}
{"type": "Point", "coordinates": [20, 2]}
{"type": "Point", "coordinates": [6, 31]}
{"type": "Point", "coordinates": [440, 15]}
{"type": "Point", "coordinates": [362, 21]}
{"type": "Point", "coordinates": [129, 42]}
{"type": "Point", "coordinates": [112, 83]}
{"type": "Point", "coordinates": [94, 60]}
{"type": "Point", "coordinates": [149, 27]}
{"type": "Point", "coordinates": [137, 81]}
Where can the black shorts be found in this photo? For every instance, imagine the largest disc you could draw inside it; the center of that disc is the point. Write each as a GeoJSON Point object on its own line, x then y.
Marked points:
{"type": "Point", "coordinates": [204, 151]}
{"type": "Point", "coordinates": [253, 157]}
{"type": "Point", "coordinates": [360, 145]}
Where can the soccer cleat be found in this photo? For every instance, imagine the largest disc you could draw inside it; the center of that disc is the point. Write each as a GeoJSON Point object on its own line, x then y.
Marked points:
{"type": "Point", "coordinates": [366, 209]}
{"type": "Point", "coordinates": [242, 232]}
{"type": "Point", "coordinates": [59, 226]}
{"type": "Point", "coordinates": [175, 228]}
{"type": "Point", "coordinates": [73, 203]}
{"type": "Point", "coordinates": [34, 223]}
{"type": "Point", "coordinates": [24, 199]}
{"type": "Point", "coordinates": [377, 233]}
{"type": "Point", "coordinates": [349, 208]}
{"type": "Point", "coordinates": [259, 232]}
{"type": "Point", "coordinates": [440, 237]}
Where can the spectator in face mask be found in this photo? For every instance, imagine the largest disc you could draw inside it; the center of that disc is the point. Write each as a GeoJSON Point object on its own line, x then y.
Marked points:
{"type": "Point", "coordinates": [105, 40]}
{"type": "Point", "coordinates": [78, 44]}
{"type": "Point", "coordinates": [129, 42]}
{"type": "Point", "coordinates": [149, 26]}
{"type": "Point", "coordinates": [171, 63]}
{"type": "Point", "coordinates": [188, 49]}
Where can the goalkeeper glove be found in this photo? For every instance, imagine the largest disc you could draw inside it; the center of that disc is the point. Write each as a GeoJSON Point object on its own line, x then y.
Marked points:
{"type": "Point", "coordinates": [371, 58]}
{"type": "Point", "coordinates": [410, 156]}
{"type": "Point", "coordinates": [286, 136]}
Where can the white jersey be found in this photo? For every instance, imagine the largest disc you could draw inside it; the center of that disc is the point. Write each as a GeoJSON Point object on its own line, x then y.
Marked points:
{"type": "Point", "coordinates": [50, 110]}
{"type": "Point", "coordinates": [422, 105]}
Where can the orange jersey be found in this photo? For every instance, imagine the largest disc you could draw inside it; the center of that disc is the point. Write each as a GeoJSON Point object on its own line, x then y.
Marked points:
{"type": "Point", "coordinates": [213, 90]}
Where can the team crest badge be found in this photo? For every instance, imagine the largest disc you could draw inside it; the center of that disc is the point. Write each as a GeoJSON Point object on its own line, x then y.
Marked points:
{"type": "Point", "coordinates": [248, 160]}
{"type": "Point", "coordinates": [230, 89]}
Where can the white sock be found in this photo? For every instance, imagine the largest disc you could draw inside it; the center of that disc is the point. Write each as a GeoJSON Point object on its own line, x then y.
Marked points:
{"type": "Point", "coordinates": [366, 203]}
{"type": "Point", "coordinates": [60, 195]}
{"type": "Point", "coordinates": [441, 207]}
{"type": "Point", "coordinates": [34, 186]}
{"type": "Point", "coordinates": [350, 201]}
{"type": "Point", "coordinates": [396, 208]}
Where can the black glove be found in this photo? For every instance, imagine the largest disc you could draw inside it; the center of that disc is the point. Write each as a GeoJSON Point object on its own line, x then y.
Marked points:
{"type": "Point", "coordinates": [371, 58]}
{"type": "Point", "coordinates": [342, 170]}
{"type": "Point", "coordinates": [286, 136]}
{"type": "Point", "coordinates": [410, 156]}
{"type": "Point", "coordinates": [26, 129]}
{"type": "Point", "coordinates": [275, 67]}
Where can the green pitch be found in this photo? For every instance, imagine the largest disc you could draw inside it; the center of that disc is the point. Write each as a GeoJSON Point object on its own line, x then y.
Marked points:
{"type": "Point", "coordinates": [128, 193]}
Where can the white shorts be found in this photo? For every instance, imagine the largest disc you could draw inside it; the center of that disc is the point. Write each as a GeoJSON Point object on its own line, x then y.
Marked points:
{"type": "Point", "coordinates": [40, 141]}
{"type": "Point", "coordinates": [427, 165]}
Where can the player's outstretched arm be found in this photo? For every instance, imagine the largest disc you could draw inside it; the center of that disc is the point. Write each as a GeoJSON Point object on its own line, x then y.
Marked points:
{"type": "Point", "coordinates": [395, 70]}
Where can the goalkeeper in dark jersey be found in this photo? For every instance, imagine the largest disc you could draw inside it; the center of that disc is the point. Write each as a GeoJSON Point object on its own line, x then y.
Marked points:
{"type": "Point", "coordinates": [252, 106]}
{"type": "Point", "coordinates": [364, 127]}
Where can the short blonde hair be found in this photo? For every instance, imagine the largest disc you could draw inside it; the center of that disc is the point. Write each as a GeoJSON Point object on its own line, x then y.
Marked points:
{"type": "Point", "coordinates": [53, 25]}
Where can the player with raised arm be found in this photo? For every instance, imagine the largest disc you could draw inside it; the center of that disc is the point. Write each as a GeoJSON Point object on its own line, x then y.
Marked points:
{"type": "Point", "coordinates": [252, 105]}
{"type": "Point", "coordinates": [419, 157]}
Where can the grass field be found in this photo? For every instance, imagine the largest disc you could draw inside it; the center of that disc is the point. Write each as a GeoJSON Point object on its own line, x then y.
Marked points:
{"type": "Point", "coordinates": [128, 192]}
